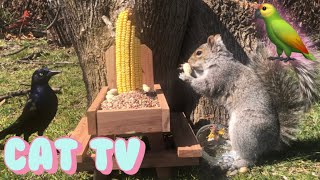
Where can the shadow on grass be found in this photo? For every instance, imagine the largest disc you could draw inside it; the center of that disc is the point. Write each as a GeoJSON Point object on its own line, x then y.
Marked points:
{"type": "Point", "coordinates": [303, 150]}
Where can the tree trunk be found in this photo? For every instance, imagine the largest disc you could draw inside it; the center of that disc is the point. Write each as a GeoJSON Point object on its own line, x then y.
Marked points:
{"type": "Point", "coordinates": [56, 33]}
{"type": "Point", "coordinates": [305, 14]}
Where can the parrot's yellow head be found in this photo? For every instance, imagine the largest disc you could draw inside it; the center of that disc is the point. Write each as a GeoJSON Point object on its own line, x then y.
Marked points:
{"type": "Point", "coordinates": [265, 10]}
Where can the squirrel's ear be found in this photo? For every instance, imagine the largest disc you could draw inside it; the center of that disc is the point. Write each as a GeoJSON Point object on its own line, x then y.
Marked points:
{"type": "Point", "coordinates": [217, 38]}
{"type": "Point", "coordinates": [219, 43]}
{"type": "Point", "coordinates": [211, 40]}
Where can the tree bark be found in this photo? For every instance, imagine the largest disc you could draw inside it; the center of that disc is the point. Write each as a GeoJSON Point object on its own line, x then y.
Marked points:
{"type": "Point", "coordinates": [90, 38]}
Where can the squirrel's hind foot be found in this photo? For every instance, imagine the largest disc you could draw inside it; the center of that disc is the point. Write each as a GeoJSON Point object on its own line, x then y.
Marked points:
{"type": "Point", "coordinates": [225, 161]}
{"type": "Point", "coordinates": [231, 161]}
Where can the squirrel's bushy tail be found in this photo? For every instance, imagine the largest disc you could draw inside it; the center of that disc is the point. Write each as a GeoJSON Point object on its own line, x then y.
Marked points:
{"type": "Point", "coordinates": [291, 89]}
{"type": "Point", "coordinates": [308, 75]}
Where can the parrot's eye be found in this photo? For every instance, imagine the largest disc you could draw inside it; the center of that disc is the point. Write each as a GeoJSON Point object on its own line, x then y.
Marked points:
{"type": "Point", "coordinates": [264, 8]}
{"type": "Point", "coordinates": [198, 53]}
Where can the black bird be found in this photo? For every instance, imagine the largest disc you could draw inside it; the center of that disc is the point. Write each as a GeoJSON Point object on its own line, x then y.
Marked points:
{"type": "Point", "coordinates": [40, 108]}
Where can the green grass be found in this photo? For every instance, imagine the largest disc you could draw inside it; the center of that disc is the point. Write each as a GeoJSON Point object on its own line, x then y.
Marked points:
{"type": "Point", "coordinates": [302, 161]}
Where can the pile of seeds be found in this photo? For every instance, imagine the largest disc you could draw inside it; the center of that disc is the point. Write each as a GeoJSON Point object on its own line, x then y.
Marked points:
{"type": "Point", "coordinates": [131, 100]}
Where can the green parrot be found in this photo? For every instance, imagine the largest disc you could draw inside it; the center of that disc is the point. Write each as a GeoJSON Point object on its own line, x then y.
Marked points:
{"type": "Point", "coordinates": [281, 33]}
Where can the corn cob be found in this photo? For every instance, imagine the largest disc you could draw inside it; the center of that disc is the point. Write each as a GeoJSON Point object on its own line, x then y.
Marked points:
{"type": "Point", "coordinates": [128, 63]}
{"type": "Point", "coordinates": [138, 65]}
{"type": "Point", "coordinates": [126, 50]}
{"type": "Point", "coordinates": [133, 63]}
{"type": "Point", "coordinates": [122, 72]}
{"type": "Point", "coordinates": [118, 49]}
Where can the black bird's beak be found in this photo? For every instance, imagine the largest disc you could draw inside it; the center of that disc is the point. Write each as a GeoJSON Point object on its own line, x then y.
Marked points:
{"type": "Point", "coordinates": [52, 73]}
{"type": "Point", "coordinates": [257, 14]}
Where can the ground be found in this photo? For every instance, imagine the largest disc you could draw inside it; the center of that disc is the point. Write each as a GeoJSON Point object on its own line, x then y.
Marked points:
{"type": "Point", "coordinates": [302, 161]}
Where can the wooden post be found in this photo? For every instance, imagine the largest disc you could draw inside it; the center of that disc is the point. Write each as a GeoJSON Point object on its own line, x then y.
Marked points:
{"type": "Point", "coordinates": [157, 144]}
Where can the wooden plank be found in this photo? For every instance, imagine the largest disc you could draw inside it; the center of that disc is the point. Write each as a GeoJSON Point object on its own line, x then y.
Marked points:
{"type": "Point", "coordinates": [164, 107]}
{"type": "Point", "coordinates": [157, 144]}
{"type": "Point", "coordinates": [151, 160]}
{"type": "Point", "coordinates": [92, 111]}
{"type": "Point", "coordinates": [110, 56]}
{"type": "Point", "coordinates": [147, 66]}
{"type": "Point", "coordinates": [184, 138]}
{"type": "Point", "coordinates": [82, 136]}
{"type": "Point", "coordinates": [129, 121]}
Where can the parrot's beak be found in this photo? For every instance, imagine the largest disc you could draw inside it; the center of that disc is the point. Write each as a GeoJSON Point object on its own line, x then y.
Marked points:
{"type": "Point", "coordinates": [257, 14]}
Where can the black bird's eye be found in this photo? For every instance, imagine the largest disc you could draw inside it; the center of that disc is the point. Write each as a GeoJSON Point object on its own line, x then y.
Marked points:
{"type": "Point", "coordinates": [41, 74]}
{"type": "Point", "coordinates": [198, 53]}
{"type": "Point", "coordinates": [264, 8]}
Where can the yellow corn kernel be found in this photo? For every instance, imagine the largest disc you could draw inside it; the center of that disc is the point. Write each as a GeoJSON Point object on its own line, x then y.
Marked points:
{"type": "Point", "coordinates": [132, 60]}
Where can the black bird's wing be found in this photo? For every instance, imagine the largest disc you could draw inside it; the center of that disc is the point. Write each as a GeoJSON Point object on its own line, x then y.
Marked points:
{"type": "Point", "coordinates": [29, 113]}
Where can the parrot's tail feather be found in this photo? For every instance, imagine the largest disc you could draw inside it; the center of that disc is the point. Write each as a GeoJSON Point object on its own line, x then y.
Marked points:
{"type": "Point", "coordinates": [309, 56]}
{"type": "Point", "coordinates": [291, 93]}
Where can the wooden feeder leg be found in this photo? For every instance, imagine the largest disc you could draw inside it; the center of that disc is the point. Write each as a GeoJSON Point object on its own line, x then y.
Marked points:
{"type": "Point", "coordinates": [164, 173]}
{"type": "Point", "coordinates": [157, 144]}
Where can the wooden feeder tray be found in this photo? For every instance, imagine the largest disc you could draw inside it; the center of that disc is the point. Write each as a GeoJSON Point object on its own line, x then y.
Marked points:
{"type": "Point", "coordinates": [141, 120]}
{"type": "Point", "coordinates": [149, 122]}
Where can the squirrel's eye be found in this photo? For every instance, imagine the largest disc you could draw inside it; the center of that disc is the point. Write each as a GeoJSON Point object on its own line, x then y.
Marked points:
{"type": "Point", "coordinates": [264, 8]}
{"type": "Point", "coordinates": [40, 74]}
{"type": "Point", "coordinates": [198, 53]}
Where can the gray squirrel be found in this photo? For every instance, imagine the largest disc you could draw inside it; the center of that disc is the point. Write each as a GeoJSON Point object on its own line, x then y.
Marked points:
{"type": "Point", "coordinates": [265, 104]}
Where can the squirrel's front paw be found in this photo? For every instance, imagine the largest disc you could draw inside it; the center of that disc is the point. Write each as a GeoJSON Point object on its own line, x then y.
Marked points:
{"type": "Point", "coordinates": [185, 77]}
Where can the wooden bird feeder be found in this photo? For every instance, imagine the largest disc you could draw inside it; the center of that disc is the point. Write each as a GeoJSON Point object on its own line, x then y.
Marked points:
{"type": "Point", "coordinates": [143, 120]}
{"type": "Point", "coordinates": [149, 122]}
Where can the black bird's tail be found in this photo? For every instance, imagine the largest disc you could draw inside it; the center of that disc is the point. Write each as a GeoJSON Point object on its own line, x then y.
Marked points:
{"type": "Point", "coordinates": [12, 129]}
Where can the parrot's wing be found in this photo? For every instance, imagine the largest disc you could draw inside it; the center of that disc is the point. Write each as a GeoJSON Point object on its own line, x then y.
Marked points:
{"type": "Point", "coordinates": [288, 35]}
